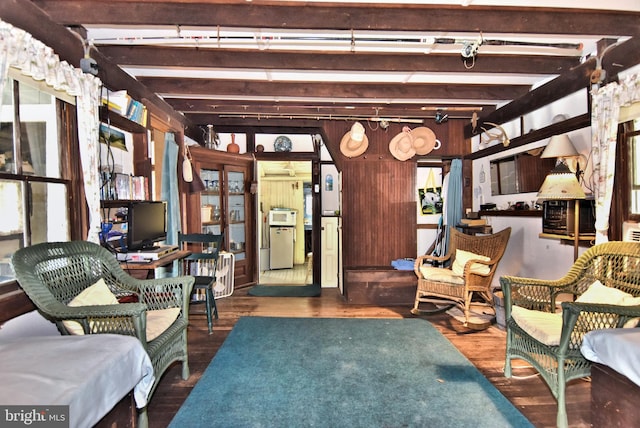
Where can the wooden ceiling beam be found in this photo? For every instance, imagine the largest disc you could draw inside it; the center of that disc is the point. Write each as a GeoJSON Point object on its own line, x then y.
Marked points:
{"type": "Point", "coordinates": [160, 56]}
{"type": "Point", "coordinates": [616, 60]}
{"type": "Point", "coordinates": [382, 91]}
{"type": "Point", "coordinates": [384, 17]}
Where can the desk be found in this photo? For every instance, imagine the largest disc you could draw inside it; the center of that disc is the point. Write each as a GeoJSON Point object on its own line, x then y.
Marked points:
{"type": "Point", "coordinates": [145, 270]}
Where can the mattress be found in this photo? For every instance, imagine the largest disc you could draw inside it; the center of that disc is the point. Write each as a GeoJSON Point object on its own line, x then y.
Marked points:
{"type": "Point", "coordinates": [90, 374]}
{"type": "Point", "coordinates": [617, 348]}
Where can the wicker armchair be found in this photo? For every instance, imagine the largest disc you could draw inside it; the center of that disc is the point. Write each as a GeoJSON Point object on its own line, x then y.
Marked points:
{"type": "Point", "coordinates": [549, 340]}
{"type": "Point", "coordinates": [457, 283]}
{"type": "Point", "coordinates": [53, 274]}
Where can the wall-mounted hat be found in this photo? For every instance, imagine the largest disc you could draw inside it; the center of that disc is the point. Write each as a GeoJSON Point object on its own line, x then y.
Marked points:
{"type": "Point", "coordinates": [355, 142]}
{"type": "Point", "coordinates": [401, 146]}
{"type": "Point", "coordinates": [424, 140]}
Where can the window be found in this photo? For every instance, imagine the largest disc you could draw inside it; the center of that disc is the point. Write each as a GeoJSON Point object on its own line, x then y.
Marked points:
{"type": "Point", "coordinates": [632, 138]}
{"type": "Point", "coordinates": [34, 193]}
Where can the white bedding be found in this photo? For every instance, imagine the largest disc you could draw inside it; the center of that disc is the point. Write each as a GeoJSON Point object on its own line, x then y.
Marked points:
{"type": "Point", "coordinates": [89, 373]}
{"type": "Point", "coordinates": [617, 348]}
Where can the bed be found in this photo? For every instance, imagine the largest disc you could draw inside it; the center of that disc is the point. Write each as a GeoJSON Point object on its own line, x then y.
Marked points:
{"type": "Point", "coordinates": [615, 376]}
{"type": "Point", "coordinates": [90, 374]}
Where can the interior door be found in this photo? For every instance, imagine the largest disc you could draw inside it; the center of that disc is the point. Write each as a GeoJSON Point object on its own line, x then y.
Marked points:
{"type": "Point", "coordinates": [329, 253]}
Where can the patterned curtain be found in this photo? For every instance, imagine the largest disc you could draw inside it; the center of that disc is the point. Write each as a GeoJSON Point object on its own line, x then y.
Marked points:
{"type": "Point", "coordinates": [606, 103]}
{"type": "Point", "coordinates": [33, 58]}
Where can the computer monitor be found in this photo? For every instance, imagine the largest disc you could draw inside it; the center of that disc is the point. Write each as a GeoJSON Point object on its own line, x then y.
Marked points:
{"type": "Point", "coordinates": [147, 224]}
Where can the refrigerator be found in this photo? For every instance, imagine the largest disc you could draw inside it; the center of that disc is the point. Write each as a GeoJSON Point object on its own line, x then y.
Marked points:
{"type": "Point", "coordinates": [281, 250]}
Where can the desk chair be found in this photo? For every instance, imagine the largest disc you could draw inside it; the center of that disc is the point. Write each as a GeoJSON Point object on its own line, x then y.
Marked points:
{"type": "Point", "coordinates": [201, 264]}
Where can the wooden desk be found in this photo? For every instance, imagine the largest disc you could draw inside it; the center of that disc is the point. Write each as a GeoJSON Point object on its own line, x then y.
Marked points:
{"type": "Point", "coordinates": [145, 270]}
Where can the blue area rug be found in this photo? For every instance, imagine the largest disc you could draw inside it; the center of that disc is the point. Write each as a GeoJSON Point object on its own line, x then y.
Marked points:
{"type": "Point", "coordinates": [314, 372]}
{"type": "Point", "coordinates": [311, 290]}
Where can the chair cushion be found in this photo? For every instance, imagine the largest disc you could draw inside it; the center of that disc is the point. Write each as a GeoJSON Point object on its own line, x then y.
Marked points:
{"type": "Point", "coordinates": [96, 294]}
{"type": "Point", "coordinates": [159, 320]}
{"type": "Point", "coordinates": [462, 257]}
{"type": "Point", "coordinates": [441, 275]}
{"type": "Point", "coordinates": [545, 327]}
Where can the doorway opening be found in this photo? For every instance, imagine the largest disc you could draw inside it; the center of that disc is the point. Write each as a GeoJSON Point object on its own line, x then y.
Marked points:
{"type": "Point", "coordinates": [285, 204]}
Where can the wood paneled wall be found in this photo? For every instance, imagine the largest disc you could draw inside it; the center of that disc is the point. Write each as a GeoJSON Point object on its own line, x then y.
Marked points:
{"type": "Point", "coordinates": [379, 212]}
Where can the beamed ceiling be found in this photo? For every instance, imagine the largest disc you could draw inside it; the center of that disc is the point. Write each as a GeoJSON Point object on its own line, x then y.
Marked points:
{"type": "Point", "coordinates": [229, 62]}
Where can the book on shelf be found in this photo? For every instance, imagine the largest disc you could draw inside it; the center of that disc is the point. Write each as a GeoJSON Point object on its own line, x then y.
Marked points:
{"type": "Point", "coordinates": [473, 221]}
{"type": "Point", "coordinates": [116, 101]}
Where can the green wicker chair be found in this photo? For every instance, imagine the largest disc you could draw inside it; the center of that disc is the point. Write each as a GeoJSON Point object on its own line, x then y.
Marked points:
{"type": "Point", "coordinates": [555, 350]}
{"type": "Point", "coordinates": [54, 273]}
{"type": "Point", "coordinates": [458, 283]}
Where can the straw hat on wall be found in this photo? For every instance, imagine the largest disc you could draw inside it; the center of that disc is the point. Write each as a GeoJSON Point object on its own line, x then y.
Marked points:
{"type": "Point", "coordinates": [355, 142]}
{"type": "Point", "coordinates": [401, 146]}
{"type": "Point", "coordinates": [424, 140]}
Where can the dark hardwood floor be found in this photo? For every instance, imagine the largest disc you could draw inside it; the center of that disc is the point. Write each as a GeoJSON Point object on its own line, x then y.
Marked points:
{"type": "Point", "coordinates": [485, 349]}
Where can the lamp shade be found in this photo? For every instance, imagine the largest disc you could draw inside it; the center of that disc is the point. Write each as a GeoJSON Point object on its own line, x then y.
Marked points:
{"type": "Point", "coordinates": [559, 146]}
{"type": "Point", "coordinates": [561, 184]}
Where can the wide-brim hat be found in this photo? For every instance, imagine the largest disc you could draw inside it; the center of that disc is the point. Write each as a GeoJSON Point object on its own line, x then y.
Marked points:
{"type": "Point", "coordinates": [401, 146]}
{"type": "Point", "coordinates": [424, 140]}
{"type": "Point", "coordinates": [355, 142]}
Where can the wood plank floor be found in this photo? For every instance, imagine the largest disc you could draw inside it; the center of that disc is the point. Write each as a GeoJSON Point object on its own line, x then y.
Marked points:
{"type": "Point", "coordinates": [485, 349]}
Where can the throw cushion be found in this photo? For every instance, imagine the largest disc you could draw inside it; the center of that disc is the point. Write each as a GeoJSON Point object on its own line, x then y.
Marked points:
{"type": "Point", "coordinates": [96, 294]}
{"type": "Point", "coordinates": [545, 327]}
{"type": "Point", "coordinates": [600, 293]}
{"type": "Point", "coordinates": [441, 275]}
{"type": "Point", "coordinates": [159, 320]}
{"type": "Point", "coordinates": [462, 257]}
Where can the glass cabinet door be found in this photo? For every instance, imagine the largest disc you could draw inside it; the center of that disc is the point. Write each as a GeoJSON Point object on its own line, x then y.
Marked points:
{"type": "Point", "coordinates": [236, 214]}
{"type": "Point", "coordinates": [211, 202]}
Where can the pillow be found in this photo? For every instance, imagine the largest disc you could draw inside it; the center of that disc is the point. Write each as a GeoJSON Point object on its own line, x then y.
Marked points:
{"type": "Point", "coordinates": [96, 294]}
{"type": "Point", "coordinates": [462, 257]}
{"type": "Point", "coordinates": [599, 293]}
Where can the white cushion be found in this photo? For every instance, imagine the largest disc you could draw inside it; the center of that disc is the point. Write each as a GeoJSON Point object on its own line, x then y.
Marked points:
{"type": "Point", "coordinates": [545, 327]}
{"type": "Point", "coordinates": [462, 257]}
{"type": "Point", "coordinates": [599, 293]}
{"type": "Point", "coordinates": [441, 275]}
{"type": "Point", "coordinates": [159, 320]}
{"type": "Point", "coordinates": [96, 294]}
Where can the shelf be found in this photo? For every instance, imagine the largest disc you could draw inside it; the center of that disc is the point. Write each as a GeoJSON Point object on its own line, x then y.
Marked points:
{"type": "Point", "coordinates": [116, 120]}
{"type": "Point", "coordinates": [511, 213]}
{"type": "Point", "coordinates": [567, 237]}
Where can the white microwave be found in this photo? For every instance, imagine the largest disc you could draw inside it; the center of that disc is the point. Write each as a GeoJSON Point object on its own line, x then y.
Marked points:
{"type": "Point", "coordinates": [282, 218]}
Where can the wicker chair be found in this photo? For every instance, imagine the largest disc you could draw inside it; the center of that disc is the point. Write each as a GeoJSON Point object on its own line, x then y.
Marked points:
{"type": "Point", "coordinates": [549, 340]}
{"type": "Point", "coordinates": [53, 274]}
{"type": "Point", "coordinates": [456, 284]}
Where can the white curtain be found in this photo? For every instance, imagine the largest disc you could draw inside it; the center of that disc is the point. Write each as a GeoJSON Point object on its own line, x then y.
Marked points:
{"type": "Point", "coordinates": [605, 112]}
{"type": "Point", "coordinates": [33, 58]}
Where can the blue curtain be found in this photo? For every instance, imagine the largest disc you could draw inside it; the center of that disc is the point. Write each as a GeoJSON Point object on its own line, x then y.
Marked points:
{"type": "Point", "coordinates": [453, 200]}
{"type": "Point", "coordinates": [169, 190]}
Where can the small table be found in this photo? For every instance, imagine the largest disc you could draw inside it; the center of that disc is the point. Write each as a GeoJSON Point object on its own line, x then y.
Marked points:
{"type": "Point", "coordinates": [145, 270]}
{"type": "Point", "coordinates": [484, 229]}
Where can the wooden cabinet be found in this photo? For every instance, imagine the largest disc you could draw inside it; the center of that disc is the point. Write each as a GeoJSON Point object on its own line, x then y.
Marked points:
{"type": "Point", "coordinates": [225, 206]}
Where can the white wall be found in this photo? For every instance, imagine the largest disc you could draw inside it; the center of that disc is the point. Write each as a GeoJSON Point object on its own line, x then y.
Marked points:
{"type": "Point", "coordinates": [527, 254]}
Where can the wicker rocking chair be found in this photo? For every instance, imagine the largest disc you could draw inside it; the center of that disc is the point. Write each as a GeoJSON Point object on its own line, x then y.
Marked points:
{"type": "Point", "coordinates": [54, 274]}
{"type": "Point", "coordinates": [470, 264]}
{"type": "Point", "coordinates": [550, 339]}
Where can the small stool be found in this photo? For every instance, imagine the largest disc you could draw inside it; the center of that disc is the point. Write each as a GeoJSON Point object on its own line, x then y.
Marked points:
{"type": "Point", "coordinates": [309, 268]}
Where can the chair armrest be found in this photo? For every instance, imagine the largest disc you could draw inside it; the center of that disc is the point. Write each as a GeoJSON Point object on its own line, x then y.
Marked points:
{"type": "Point", "coordinates": [166, 293]}
{"type": "Point", "coordinates": [531, 293]}
{"type": "Point", "coordinates": [121, 318]}
{"type": "Point", "coordinates": [420, 260]}
{"type": "Point", "coordinates": [591, 316]}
